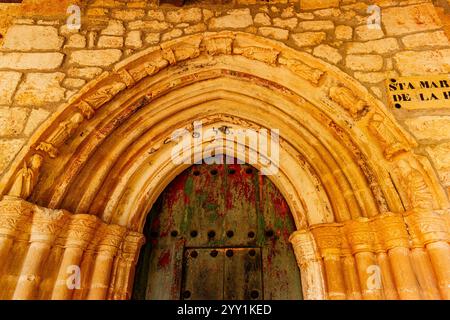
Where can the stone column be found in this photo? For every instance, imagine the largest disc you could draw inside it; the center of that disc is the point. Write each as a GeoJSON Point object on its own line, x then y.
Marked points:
{"type": "Point", "coordinates": [14, 213]}
{"type": "Point", "coordinates": [45, 227]}
{"type": "Point", "coordinates": [361, 238]}
{"type": "Point", "coordinates": [310, 264]}
{"type": "Point", "coordinates": [328, 238]}
{"type": "Point", "coordinates": [106, 252]}
{"type": "Point", "coordinates": [80, 231]}
{"type": "Point", "coordinates": [429, 229]}
{"type": "Point", "coordinates": [350, 272]}
{"type": "Point", "coordinates": [122, 287]}
{"type": "Point", "coordinates": [392, 232]}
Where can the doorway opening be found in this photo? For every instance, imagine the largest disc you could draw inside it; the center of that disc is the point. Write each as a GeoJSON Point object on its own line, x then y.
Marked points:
{"type": "Point", "coordinates": [218, 232]}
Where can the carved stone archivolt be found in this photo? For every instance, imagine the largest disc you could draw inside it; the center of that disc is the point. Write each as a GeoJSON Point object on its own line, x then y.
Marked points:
{"type": "Point", "coordinates": [336, 256]}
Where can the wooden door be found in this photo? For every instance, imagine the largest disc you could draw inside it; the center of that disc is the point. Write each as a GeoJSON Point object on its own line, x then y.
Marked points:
{"type": "Point", "coordinates": [210, 211]}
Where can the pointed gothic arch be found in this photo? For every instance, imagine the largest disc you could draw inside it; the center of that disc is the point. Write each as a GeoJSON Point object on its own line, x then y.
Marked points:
{"type": "Point", "coordinates": [347, 170]}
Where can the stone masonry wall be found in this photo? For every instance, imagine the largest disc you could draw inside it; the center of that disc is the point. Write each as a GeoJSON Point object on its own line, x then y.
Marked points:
{"type": "Point", "coordinates": [43, 63]}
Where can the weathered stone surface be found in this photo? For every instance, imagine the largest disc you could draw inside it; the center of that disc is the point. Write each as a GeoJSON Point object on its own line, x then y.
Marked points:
{"type": "Point", "coordinates": [285, 23]}
{"type": "Point", "coordinates": [102, 58]}
{"type": "Point", "coordinates": [24, 37]}
{"type": "Point", "coordinates": [175, 33]}
{"type": "Point", "coordinates": [12, 121]}
{"type": "Point", "coordinates": [153, 25]}
{"type": "Point", "coordinates": [370, 77]}
{"type": "Point", "coordinates": [429, 39]}
{"type": "Point", "coordinates": [37, 116]}
{"type": "Point", "coordinates": [39, 61]}
{"type": "Point", "coordinates": [263, 19]}
{"type": "Point", "coordinates": [440, 157]}
{"type": "Point", "coordinates": [316, 25]}
{"type": "Point", "coordinates": [343, 32]}
{"type": "Point", "coordinates": [423, 62]}
{"type": "Point", "coordinates": [8, 84]}
{"type": "Point", "coordinates": [156, 14]}
{"type": "Point", "coordinates": [326, 13]}
{"type": "Point", "coordinates": [73, 83]}
{"type": "Point", "coordinates": [305, 15]}
{"type": "Point", "coordinates": [429, 127]}
{"type": "Point", "coordinates": [110, 42]}
{"type": "Point", "coordinates": [184, 15]}
{"type": "Point", "coordinates": [128, 15]}
{"type": "Point", "coordinates": [9, 147]}
{"type": "Point", "coordinates": [76, 41]}
{"type": "Point", "coordinates": [364, 33]}
{"type": "Point", "coordinates": [114, 28]}
{"type": "Point", "coordinates": [199, 27]}
{"type": "Point", "coordinates": [381, 46]}
{"type": "Point", "coordinates": [134, 40]}
{"type": "Point", "coordinates": [306, 39]}
{"type": "Point", "coordinates": [276, 33]}
{"type": "Point", "coordinates": [89, 72]}
{"type": "Point", "coordinates": [328, 53]}
{"type": "Point", "coordinates": [288, 12]}
{"type": "Point", "coordinates": [318, 4]}
{"type": "Point", "coordinates": [152, 38]}
{"type": "Point", "coordinates": [364, 62]}
{"type": "Point", "coordinates": [402, 20]}
{"type": "Point", "coordinates": [235, 20]}
{"type": "Point", "coordinates": [40, 88]}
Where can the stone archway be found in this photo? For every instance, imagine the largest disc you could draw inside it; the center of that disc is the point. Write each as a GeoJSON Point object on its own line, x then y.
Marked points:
{"type": "Point", "coordinates": [366, 204]}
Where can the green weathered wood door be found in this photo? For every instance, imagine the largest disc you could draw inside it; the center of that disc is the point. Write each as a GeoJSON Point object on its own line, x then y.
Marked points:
{"type": "Point", "coordinates": [218, 232]}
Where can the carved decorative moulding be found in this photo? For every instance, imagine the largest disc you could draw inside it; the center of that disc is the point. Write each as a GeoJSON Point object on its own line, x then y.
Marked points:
{"type": "Point", "coordinates": [427, 226]}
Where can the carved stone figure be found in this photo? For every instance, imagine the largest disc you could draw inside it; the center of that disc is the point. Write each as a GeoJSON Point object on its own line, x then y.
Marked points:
{"type": "Point", "coordinates": [126, 77]}
{"type": "Point", "coordinates": [390, 142]}
{"type": "Point", "coordinates": [26, 178]}
{"type": "Point", "coordinates": [85, 109]}
{"type": "Point", "coordinates": [218, 45]}
{"type": "Point", "coordinates": [301, 69]}
{"type": "Point", "coordinates": [104, 94]}
{"type": "Point", "coordinates": [347, 100]}
{"type": "Point", "coordinates": [265, 55]}
{"type": "Point", "coordinates": [418, 192]}
{"type": "Point", "coordinates": [64, 132]}
{"type": "Point", "coordinates": [185, 51]}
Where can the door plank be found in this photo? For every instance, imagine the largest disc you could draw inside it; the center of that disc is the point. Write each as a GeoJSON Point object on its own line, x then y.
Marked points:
{"type": "Point", "coordinates": [203, 275]}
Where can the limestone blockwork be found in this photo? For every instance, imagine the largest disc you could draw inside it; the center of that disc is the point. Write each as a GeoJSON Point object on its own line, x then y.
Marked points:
{"type": "Point", "coordinates": [371, 215]}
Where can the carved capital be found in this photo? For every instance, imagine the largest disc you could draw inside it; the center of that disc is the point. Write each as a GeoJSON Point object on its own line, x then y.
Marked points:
{"type": "Point", "coordinates": [111, 240]}
{"type": "Point", "coordinates": [15, 213]}
{"type": "Point", "coordinates": [359, 234]}
{"type": "Point", "coordinates": [80, 230]}
{"type": "Point", "coordinates": [131, 246]}
{"type": "Point", "coordinates": [47, 224]}
{"type": "Point", "coordinates": [328, 238]}
{"type": "Point", "coordinates": [305, 248]}
{"type": "Point", "coordinates": [391, 230]}
{"type": "Point", "coordinates": [427, 226]}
